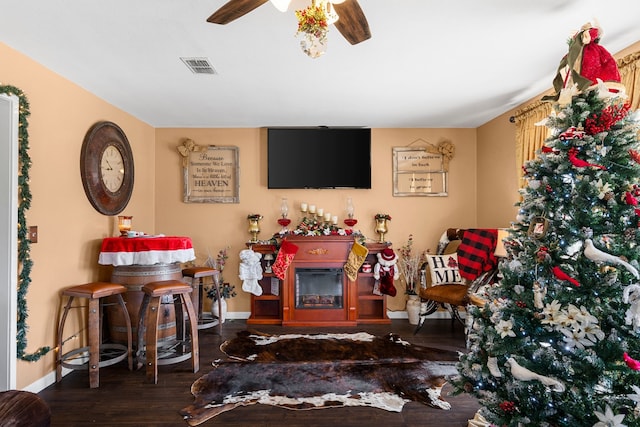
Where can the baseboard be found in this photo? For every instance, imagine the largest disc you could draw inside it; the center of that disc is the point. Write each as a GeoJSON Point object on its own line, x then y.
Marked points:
{"type": "Point", "coordinates": [44, 382]}
{"type": "Point", "coordinates": [238, 314]}
{"type": "Point", "coordinates": [403, 315]}
{"type": "Point", "coordinates": [243, 315]}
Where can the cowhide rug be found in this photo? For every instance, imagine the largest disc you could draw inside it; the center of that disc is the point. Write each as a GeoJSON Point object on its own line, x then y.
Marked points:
{"type": "Point", "coordinates": [321, 371]}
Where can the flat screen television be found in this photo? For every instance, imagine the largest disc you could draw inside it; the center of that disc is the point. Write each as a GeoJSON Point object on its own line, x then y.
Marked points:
{"type": "Point", "coordinates": [320, 157]}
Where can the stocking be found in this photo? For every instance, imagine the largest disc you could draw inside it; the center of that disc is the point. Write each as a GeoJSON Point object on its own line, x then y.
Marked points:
{"type": "Point", "coordinates": [283, 259]}
{"type": "Point", "coordinates": [354, 260]}
{"type": "Point", "coordinates": [386, 275]}
{"type": "Point", "coordinates": [386, 282]}
{"type": "Point", "coordinates": [250, 271]}
{"type": "Point", "coordinates": [376, 288]}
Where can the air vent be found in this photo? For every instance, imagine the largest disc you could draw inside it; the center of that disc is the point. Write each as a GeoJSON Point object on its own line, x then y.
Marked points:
{"type": "Point", "coordinates": [199, 65]}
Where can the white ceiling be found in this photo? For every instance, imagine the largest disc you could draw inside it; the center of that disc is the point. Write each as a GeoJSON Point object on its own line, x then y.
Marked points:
{"type": "Point", "coordinates": [447, 63]}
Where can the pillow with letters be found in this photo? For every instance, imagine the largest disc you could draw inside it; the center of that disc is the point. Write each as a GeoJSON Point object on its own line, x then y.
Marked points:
{"type": "Point", "coordinates": [444, 269]}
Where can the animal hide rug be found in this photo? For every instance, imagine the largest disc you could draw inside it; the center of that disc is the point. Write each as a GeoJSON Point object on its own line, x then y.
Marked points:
{"type": "Point", "coordinates": [321, 371]}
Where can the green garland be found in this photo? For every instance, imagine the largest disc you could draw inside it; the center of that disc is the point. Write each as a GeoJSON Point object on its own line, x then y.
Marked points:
{"type": "Point", "coordinates": [24, 244]}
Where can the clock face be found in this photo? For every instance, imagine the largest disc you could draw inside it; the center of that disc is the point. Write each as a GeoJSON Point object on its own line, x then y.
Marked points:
{"type": "Point", "coordinates": [112, 169]}
{"type": "Point", "coordinates": [106, 168]}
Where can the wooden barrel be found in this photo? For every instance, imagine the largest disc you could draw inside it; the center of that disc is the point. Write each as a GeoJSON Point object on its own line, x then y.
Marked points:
{"type": "Point", "coordinates": [134, 277]}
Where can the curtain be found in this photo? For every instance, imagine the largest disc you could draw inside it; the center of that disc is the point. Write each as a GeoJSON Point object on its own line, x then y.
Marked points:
{"type": "Point", "coordinates": [530, 138]}
{"type": "Point", "coordinates": [630, 77]}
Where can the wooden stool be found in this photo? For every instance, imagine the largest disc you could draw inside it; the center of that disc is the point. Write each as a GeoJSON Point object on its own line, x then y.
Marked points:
{"type": "Point", "coordinates": [100, 354]}
{"type": "Point", "coordinates": [197, 275]}
{"type": "Point", "coordinates": [148, 327]}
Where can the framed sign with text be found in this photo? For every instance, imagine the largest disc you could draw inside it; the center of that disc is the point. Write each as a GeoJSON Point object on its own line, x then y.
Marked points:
{"type": "Point", "coordinates": [211, 173]}
{"type": "Point", "coordinates": [421, 171]}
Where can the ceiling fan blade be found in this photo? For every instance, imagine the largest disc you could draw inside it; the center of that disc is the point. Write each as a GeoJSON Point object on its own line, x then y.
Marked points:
{"type": "Point", "coordinates": [234, 9]}
{"type": "Point", "coordinates": [352, 23]}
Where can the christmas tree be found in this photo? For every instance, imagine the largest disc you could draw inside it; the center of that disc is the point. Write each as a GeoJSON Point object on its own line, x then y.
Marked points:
{"type": "Point", "coordinates": [557, 341]}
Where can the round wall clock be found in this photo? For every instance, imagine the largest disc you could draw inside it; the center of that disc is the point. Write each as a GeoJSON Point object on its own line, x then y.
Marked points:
{"type": "Point", "coordinates": [106, 168]}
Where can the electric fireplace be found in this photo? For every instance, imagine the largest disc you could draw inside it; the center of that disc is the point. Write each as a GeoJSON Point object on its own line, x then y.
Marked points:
{"type": "Point", "coordinates": [316, 289]}
{"type": "Point", "coordinates": [319, 288]}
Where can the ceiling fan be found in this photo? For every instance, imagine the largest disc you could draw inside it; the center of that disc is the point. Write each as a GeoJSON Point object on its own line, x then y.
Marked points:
{"type": "Point", "coordinates": [352, 23]}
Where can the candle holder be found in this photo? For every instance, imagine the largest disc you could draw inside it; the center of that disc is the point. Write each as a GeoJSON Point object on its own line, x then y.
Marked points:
{"type": "Point", "coordinates": [269, 260]}
{"type": "Point", "coordinates": [381, 225]}
{"type": "Point", "coordinates": [254, 227]}
{"type": "Point", "coordinates": [124, 225]}
{"type": "Point", "coordinates": [327, 218]}
{"type": "Point", "coordinates": [350, 222]}
{"type": "Point", "coordinates": [284, 222]}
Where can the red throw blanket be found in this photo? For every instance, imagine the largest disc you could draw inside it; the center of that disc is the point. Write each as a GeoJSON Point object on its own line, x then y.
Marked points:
{"type": "Point", "coordinates": [476, 252]}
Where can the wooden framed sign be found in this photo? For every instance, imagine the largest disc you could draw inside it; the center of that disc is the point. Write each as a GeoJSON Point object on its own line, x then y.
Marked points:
{"type": "Point", "coordinates": [211, 173]}
{"type": "Point", "coordinates": [417, 171]}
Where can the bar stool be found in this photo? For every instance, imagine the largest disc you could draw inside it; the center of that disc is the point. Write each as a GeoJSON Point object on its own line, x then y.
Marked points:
{"type": "Point", "coordinates": [100, 354]}
{"type": "Point", "coordinates": [148, 327]}
{"type": "Point", "coordinates": [197, 275]}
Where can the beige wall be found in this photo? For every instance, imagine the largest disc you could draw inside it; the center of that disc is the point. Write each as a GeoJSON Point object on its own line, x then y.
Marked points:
{"type": "Point", "coordinates": [70, 230]}
{"type": "Point", "coordinates": [497, 177]}
{"type": "Point", "coordinates": [482, 190]}
{"type": "Point", "coordinates": [214, 226]}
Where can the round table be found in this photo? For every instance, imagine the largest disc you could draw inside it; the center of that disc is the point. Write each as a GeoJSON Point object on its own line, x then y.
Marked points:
{"type": "Point", "coordinates": [140, 260]}
{"type": "Point", "coordinates": [146, 250]}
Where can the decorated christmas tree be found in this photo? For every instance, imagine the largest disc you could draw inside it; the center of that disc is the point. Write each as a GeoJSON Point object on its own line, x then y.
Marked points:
{"type": "Point", "coordinates": [557, 341]}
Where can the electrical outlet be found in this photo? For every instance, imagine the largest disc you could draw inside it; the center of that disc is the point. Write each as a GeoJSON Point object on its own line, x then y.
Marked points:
{"type": "Point", "coordinates": [33, 233]}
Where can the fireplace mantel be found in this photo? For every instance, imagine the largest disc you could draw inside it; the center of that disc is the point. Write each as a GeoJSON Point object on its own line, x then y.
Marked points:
{"type": "Point", "coordinates": [319, 252]}
{"type": "Point", "coordinates": [358, 303]}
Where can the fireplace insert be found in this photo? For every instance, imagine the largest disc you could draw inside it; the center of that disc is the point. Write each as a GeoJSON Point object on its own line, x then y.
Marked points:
{"type": "Point", "coordinates": [319, 288]}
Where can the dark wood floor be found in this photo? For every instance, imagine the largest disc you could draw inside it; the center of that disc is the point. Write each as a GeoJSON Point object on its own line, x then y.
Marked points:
{"type": "Point", "coordinates": [124, 399]}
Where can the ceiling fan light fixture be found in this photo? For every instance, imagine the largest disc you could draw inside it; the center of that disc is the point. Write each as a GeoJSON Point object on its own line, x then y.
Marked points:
{"type": "Point", "coordinates": [331, 14]}
{"type": "Point", "coordinates": [281, 5]}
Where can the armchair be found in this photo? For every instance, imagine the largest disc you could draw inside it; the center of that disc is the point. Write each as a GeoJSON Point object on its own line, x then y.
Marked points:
{"type": "Point", "coordinates": [471, 265]}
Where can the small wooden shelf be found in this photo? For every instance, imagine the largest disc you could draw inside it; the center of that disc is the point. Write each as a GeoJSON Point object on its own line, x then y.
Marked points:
{"type": "Point", "coordinates": [371, 308]}
{"type": "Point", "coordinates": [264, 297]}
{"type": "Point", "coordinates": [266, 309]}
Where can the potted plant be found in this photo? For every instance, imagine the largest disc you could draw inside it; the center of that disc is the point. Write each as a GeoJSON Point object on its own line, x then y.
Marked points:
{"type": "Point", "coordinates": [409, 265]}
{"type": "Point", "coordinates": [225, 289]}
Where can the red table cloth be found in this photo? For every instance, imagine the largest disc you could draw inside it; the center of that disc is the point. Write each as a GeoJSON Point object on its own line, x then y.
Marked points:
{"type": "Point", "coordinates": [147, 250]}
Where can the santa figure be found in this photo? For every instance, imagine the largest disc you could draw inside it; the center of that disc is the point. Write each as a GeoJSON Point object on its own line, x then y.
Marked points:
{"type": "Point", "coordinates": [386, 271]}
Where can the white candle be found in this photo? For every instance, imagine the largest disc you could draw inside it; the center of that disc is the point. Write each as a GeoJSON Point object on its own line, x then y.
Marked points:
{"type": "Point", "coordinates": [303, 207]}
{"type": "Point", "coordinates": [327, 216]}
{"type": "Point", "coordinates": [312, 209]}
{"type": "Point", "coordinates": [320, 211]}
{"type": "Point", "coordinates": [334, 219]}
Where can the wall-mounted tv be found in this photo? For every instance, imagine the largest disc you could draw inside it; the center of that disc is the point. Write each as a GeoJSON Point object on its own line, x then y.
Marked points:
{"type": "Point", "coordinates": [319, 157]}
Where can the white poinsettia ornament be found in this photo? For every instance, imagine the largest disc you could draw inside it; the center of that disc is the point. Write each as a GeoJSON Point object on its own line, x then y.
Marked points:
{"type": "Point", "coordinates": [603, 188]}
{"type": "Point", "coordinates": [609, 419]}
